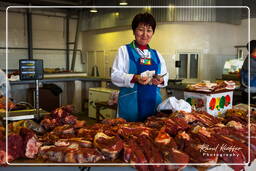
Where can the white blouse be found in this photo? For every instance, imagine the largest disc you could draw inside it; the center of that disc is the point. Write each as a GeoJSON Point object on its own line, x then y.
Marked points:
{"type": "Point", "coordinates": [120, 69]}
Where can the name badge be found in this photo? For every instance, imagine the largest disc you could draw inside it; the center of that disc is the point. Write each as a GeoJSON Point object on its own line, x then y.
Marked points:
{"type": "Point", "coordinates": [145, 61]}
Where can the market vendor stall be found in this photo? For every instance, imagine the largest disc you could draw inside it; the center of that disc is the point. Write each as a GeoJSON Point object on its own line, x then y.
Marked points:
{"type": "Point", "coordinates": [181, 138]}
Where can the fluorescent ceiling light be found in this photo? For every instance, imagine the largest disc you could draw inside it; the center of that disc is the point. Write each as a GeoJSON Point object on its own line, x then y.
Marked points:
{"type": "Point", "coordinates": [123, 3]}
{"type": "Point", "coordinates": [148, 7]}
{"type": "Point", "coordinates": [171, 6]}
{"type": "Point", "coordinates": [93, 10]}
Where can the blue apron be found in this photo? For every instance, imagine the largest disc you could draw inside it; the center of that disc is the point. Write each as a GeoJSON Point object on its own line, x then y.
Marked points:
{"type": "Point", "coordinates": [141, 101]}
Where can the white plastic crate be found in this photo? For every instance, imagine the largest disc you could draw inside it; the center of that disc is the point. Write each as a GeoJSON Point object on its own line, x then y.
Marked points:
{"type": "Point", "coordinates": [213, 103]}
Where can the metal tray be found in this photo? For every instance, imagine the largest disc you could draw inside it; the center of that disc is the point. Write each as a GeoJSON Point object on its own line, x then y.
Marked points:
{"type": "Point", "coordinates": [22, 114]}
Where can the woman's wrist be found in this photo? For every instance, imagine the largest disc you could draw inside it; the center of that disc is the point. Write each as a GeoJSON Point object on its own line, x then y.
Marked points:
{"type": "Point", "coordinates": [135, 78]}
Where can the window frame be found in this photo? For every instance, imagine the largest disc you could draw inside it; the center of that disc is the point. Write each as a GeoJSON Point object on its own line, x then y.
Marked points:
{"type": "Point", "coordinates": [189, 53]}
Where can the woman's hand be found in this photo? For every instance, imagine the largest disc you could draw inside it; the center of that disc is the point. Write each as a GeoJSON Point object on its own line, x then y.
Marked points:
{"type": "Point", "coordinates": [157, 81]}
{"type": "Point", "coordinates": [142, 80]}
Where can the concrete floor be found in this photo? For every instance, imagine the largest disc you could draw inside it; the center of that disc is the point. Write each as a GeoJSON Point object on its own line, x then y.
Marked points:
{"type": "Point", "coordinates": [84, 116]}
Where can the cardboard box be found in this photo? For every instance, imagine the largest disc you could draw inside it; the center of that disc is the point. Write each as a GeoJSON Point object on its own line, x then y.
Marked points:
{"type": "Point", "coordinates": [213, 103]}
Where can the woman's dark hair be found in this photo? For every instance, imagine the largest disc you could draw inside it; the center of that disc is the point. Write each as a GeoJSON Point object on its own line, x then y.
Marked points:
{"type": "Point", "coordinates": [252, 45]}
{"type": "Point", "coordinates": [145, 18]}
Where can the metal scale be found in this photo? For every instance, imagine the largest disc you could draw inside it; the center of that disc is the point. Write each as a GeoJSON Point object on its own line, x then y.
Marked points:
{"type": "Point", "coordinates": [30, 70]}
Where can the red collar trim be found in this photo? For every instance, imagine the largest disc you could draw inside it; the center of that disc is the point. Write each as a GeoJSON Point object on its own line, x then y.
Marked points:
{"type": "Point", "coordinates": [141, 47]}
{"type": "Point", "coordinates": [254, 56]}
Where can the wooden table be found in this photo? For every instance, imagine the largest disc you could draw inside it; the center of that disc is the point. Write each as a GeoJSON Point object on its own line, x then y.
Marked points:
{"type": "Point", "coordinates": [101, 106]}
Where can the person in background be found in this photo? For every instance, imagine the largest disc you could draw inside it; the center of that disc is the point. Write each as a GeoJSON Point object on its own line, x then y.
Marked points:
{"type": "Point", "coordinates": [3, 84]}
{"type": "Point", "coordinates": [139, 95]}
{"type": "Point", "coordinates": [3, 93]}
{"type": "Point", "coordinates": [245, 74]}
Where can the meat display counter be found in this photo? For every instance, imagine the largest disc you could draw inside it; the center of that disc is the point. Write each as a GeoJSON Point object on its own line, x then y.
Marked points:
{"type": "Point", "coordinates": [181, 139]}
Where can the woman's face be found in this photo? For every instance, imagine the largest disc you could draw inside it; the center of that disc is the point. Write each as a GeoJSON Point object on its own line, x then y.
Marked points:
{"type": "Point", "coordinates": [143, 34]}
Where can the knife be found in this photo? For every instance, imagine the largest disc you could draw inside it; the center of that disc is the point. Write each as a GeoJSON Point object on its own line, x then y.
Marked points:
{"type": "Point", "coordinates": [159, 76]}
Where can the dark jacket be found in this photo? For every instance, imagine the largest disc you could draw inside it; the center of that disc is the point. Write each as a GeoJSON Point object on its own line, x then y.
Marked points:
{"type": "Point", "coordinates": [244, 73]}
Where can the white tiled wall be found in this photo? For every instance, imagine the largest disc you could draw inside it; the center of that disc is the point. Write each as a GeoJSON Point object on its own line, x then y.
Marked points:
{"type": "Point", "coordinates": [48, 32]}
{"type": "Point", "coordinates": [102, 59]}
{"type": "Point", "coordinates": [215, 41]}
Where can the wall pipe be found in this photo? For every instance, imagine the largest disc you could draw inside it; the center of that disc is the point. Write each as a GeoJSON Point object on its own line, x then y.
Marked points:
{"type": "Point", "coordinates": [41, 14]}
{"type": "Point", "coordinates": [53, 49]}
{"type": "Point", "coordinates": [29, 31]}
{"type": "Point", "coordinates": [67, 42]}
{"type": "Point", "coordinates": [76, 40]}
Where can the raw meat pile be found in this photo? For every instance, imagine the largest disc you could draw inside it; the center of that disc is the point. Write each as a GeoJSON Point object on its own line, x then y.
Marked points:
{"type": "Point", "coordinates": [11, 105]}
{"type": "Point", "coordinates": [178, 137]}
{"type": "Point", "coordinates": [23, 143]}
{"type": "Point", "coordinates": [212, 87]}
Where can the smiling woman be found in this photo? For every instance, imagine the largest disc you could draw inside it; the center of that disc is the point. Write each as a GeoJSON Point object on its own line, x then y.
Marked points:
{"type": "Point", "coordinates": [139, 95]}
{"type": "Point", "coordinates": [143, 34]}
{"type": "Point", "coordinates": [143, 28]}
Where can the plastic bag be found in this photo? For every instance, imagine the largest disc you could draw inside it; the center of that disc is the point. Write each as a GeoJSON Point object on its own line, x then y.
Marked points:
{"type": "Point", "coordinates": [174, 104]}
